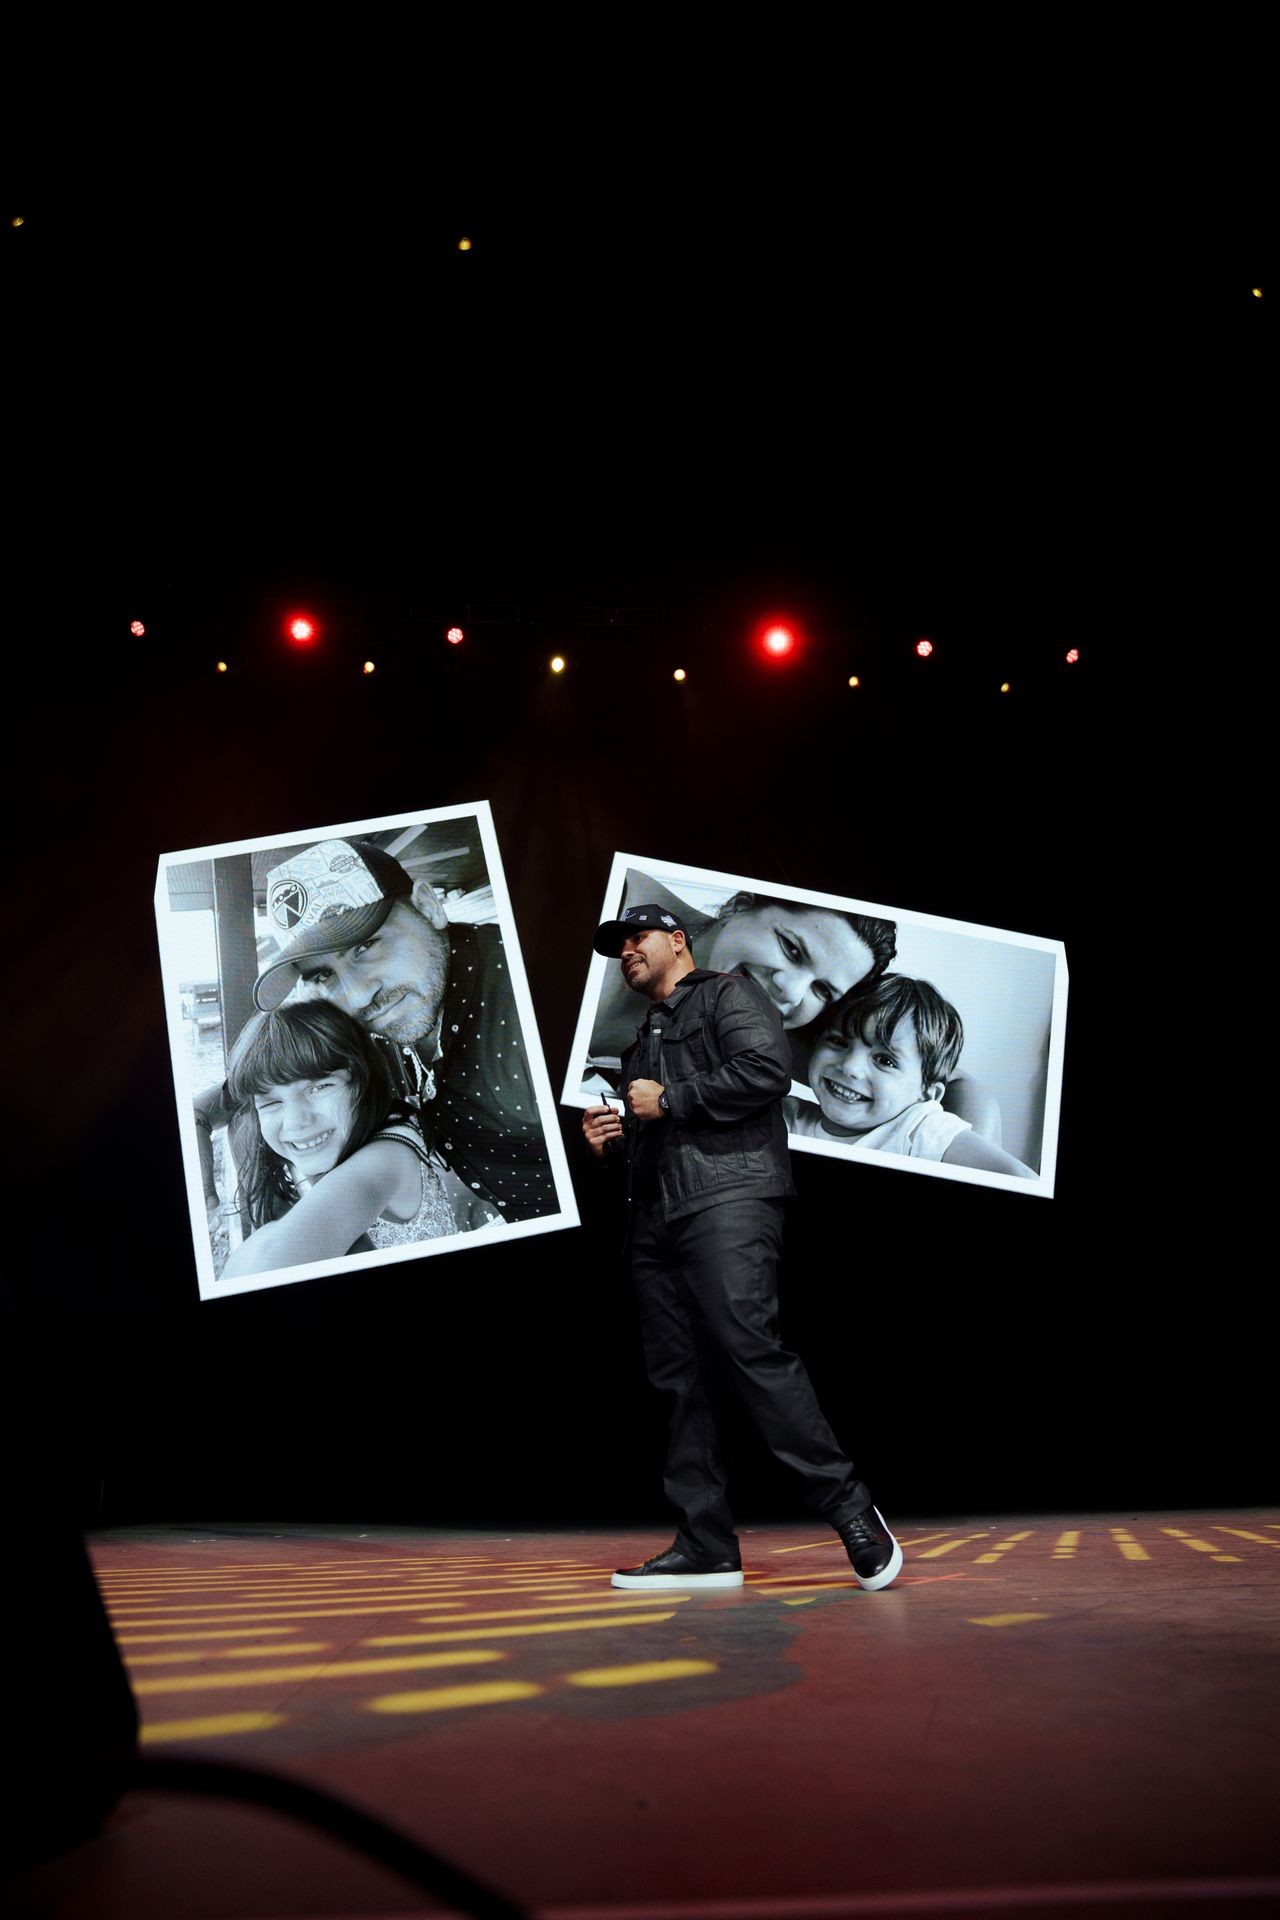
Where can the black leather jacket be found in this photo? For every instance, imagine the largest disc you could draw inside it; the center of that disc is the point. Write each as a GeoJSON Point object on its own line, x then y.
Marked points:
{"type": "Point", "coordinates": [718, 1047]}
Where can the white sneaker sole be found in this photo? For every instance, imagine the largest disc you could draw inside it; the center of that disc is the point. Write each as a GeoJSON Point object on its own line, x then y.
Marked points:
{"type": "Point", "coordinates": [659, 1582]}
{"type": "Point", "coordinates": [886, 1574]}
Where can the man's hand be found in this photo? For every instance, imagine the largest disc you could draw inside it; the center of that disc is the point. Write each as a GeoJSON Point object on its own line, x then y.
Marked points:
{"type": "Point", "coordinates": [601, 1126]}
{"type": "Point", "coordinates": [642, 1098]}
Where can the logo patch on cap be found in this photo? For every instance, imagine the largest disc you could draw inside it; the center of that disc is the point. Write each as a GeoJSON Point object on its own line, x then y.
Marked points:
{"type": "Point", "coordinates": [288, 903]}
{"type": "Point", "coordinates": [343, 863]}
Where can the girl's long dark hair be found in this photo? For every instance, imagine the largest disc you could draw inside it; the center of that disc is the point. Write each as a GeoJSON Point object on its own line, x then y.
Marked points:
{"type": "Point", "coordinates": [301, 1042]}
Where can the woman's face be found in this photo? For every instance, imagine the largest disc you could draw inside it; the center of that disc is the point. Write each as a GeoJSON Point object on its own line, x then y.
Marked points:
{"type": "Point", "coordinates": [308, 1122]}
{"type": "Point", "coordinates": [804, 957]}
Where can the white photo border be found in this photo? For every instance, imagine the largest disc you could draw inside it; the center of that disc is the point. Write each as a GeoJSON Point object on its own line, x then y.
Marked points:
{"type": "Point", "coordinates": [672, 874]}
{"type": "Point", "coordinates": [501, 1232]}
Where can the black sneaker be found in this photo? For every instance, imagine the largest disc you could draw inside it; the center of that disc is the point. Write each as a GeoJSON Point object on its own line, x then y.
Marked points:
{"type": "Point", "coordinates": [873, 1552]}
{"type": "Point", "coordinates": [676, 1569]}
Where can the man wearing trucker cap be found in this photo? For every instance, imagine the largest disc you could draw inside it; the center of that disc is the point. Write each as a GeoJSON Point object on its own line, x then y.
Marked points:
{"type": "Point", "coordinates": [358, 930]}
{"type": "Point", "coordinates": [708, 1174]}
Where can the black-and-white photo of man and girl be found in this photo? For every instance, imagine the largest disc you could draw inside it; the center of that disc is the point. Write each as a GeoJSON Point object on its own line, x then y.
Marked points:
{"type": "Point", "coordinates": [355, 1049]}
{"type": "Point", "coordinates": [931, 1041]}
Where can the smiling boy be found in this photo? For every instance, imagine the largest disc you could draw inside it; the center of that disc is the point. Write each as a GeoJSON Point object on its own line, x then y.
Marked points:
{"type": "Point", "coordinates": [879, 1072]}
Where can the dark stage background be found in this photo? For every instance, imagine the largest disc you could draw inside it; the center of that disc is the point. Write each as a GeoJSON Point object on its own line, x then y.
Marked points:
{"type": "Point", "coordinates": [648, 407]}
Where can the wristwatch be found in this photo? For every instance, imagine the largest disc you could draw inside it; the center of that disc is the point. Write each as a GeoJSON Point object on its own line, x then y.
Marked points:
{"type": "Point", "coordinates": [662, 1102]}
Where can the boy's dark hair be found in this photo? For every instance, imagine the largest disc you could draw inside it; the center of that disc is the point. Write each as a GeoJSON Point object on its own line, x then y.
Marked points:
{"type": "Point", "coordinates": [938, 1028]}
{"type": "Point", "coordinates": [299, 1042]}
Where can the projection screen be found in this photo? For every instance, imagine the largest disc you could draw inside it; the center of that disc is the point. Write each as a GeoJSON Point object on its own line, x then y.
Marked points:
{"type": "Point", "coordinates": [978, 1053]}
{"type": "Point", "coordinates": [358, 1075]}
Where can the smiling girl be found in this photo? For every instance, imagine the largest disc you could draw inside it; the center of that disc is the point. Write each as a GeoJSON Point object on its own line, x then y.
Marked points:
{"type": "Point", "coordinates": [326, 1151]}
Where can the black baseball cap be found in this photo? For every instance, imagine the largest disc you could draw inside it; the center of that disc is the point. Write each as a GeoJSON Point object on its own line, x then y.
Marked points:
{"type": "Point", "coordinates": [610, 935]}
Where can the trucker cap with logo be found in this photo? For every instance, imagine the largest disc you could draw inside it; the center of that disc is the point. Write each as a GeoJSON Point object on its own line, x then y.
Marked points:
{"type": "Point", "coordinates": [324, 899]}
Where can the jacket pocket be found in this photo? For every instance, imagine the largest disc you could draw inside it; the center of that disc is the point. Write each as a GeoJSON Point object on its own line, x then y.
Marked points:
{"type": "Point", "coordinates": [684, 1056]}
{"type": "Point", "coordinates": [711, 1158]}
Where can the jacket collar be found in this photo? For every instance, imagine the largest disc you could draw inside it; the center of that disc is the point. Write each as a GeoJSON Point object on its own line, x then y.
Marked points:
{"type": "Point", "coordinates": [680, 989]}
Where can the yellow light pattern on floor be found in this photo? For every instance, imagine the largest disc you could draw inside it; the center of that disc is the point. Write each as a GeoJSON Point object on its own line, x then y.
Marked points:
{"type": "Point", "coordinates": [949, 1546]}
{"type": "Point", "coordinates": [1202, 1546]}
{"type": "Point", "coordinates": [360, 1581]}
{"type": "Point", "coordinates": [227, 1593]}
{"type": "Point", "coordinates": [292, 1613]}
{"type": "Point", "coordinates": [622, 1603]}
{"type": "Point", "coordinates": [552, 1626]}
{"type": "Point", "coordinates": [265, 1598]}
{"type": "Point", "coordinates": [1001, 1547]}
{"type": "Point", "coordinates": [564, 1603]}
{"type": "Point", "coordinates": [362, 1563]}
{"type": "Point", "coordinates": [275, 1609]}
{"type": "Point", "coordinates": [218, 1613]}
{"type": "Point", "coordinates": [211, 1727]}
{"type": "Point", "coordinates": [249, 1580]}
{"type": "Point", "coordinates": [359, 1567]}
{"type": "Point", "coordinates": [443, 1699]}
{"type": "Point", "coordinates": [362, 1566]}
{"type": "Point", "coordinates": [198, 1620]}
{"type": "Point", "coordinates": [316, 1670]}
{"type": "Point", "coordinates": [771, 1582]}
{"type": "Point", "coordinates": [224, 1653]}
{"type": "Point", "coordinates": [189, 1634]}
{"type": "Point", "coordinates": [521, 1590]}
{"type": "Point", "coordinates": [1006, 1619]}
{"type": "Point", "coordinates": [837, 1546]}
{"type": "Point", "coordinates": [811, 1589]}
{"type": "Point", "coordinates": [195, 1618]}
{"type": "Point", "coordinates": [248, 1576]}
{"type": "Point", "coordinates": [639, 1676]}
{"type": "Point", "coordinates": [252, 1579]}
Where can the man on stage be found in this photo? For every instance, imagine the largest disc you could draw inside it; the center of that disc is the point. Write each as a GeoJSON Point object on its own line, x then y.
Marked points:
{"type": "Point", "coordinates": [708, 1174]}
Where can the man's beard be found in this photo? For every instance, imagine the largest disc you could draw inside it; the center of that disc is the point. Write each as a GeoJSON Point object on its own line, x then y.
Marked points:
{"type": "Point", "coordinates": [414, 1012]}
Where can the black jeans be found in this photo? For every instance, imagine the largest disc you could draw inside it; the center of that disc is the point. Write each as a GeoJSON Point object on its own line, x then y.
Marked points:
{"type": "Point", "coordinates": [706, 1287]}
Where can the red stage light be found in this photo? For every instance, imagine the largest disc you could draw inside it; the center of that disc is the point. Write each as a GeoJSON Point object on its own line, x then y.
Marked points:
{"type": "Point", "coordinates": [137, 629]}
{"type": "Point", "coordinates": [924, 648]}
{"type": "Point", "coordinates": [300, 629]}
{"type": "Point", "coordinates": [455, 636]}
{"type": "Point", "coordinates": [777, 638]}
{"type": "Point", "coordinates": [1073, 654]}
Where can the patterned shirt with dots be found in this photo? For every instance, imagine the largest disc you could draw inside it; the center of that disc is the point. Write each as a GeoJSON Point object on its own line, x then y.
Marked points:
{"type": "Point", "coordinates": [484, 1120]}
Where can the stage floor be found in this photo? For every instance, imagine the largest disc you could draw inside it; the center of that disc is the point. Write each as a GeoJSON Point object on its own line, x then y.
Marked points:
{"type": "Point", "coordinates": [1039, 1704]}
